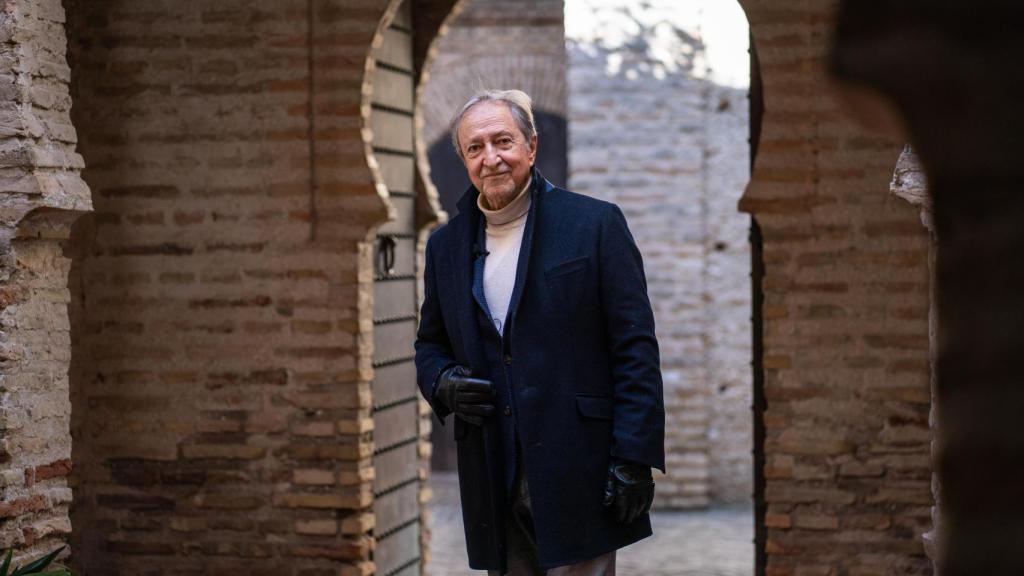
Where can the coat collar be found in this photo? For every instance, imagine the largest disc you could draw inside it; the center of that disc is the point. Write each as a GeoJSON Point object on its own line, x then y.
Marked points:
{"type": "Point", "coordinates": [465, 251]}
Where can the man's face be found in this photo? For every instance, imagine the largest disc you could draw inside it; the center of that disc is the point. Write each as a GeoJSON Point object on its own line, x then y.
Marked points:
{"type": "Point", "coordinates": [497, 155]}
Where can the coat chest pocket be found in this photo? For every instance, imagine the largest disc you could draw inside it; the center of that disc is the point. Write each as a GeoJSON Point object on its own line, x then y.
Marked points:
{"type": "Point", "coordinates": [568, 268]}
{"type": "Point", "coordinates": [567, 282]}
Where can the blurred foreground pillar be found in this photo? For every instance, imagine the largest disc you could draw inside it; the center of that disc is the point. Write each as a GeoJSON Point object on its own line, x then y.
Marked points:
{"type": "Point", "coordinates": [952, 72]}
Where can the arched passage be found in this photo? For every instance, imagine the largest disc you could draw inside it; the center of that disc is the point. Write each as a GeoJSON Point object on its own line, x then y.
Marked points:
{"type": "Point", "coordinates": [843, 280]}
{"type": "Point", "coordinates": [229, 400]}
{"type": "Point", "coordinates": [397, 421]}
{"type": "Point", "coordinates": [616, 114]}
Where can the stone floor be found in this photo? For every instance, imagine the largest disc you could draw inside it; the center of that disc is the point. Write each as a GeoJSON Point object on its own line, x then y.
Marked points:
{"type": "Point", "coordinates": [716, 542]}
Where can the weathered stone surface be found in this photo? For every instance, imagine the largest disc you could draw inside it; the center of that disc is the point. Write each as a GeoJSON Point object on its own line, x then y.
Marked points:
{"type": "Point", "coordinates": [43, 194]}
{"type": "Point", "coordinates": [909, 183]}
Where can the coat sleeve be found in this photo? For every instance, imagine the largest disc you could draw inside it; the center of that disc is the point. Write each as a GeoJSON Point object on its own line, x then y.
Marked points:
{"type": "Point", "coordinates": [433, 348]}
{"type": "Point", "coordinates": [639, 410]}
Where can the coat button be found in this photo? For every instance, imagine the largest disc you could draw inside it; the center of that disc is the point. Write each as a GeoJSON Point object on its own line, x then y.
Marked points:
{"type": "Point", "coordinates": [508, 410]}
{"type": "Point", "coordinates": [508, 359]}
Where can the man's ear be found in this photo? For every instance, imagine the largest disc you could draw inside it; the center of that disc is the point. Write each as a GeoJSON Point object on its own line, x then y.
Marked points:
{"type": "Point", "coordinates": [533, 149]}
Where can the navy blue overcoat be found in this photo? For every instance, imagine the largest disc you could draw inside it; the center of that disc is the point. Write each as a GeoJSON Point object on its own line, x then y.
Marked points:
{"type": "Point", "coordinates": [578, 377]}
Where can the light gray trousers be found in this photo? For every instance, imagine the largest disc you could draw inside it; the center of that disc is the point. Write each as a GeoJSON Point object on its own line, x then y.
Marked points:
{"type": "Point", "coordinates": [521, 541]}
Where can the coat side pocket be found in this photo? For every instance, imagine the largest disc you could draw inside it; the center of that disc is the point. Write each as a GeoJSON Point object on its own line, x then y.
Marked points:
{"type": "Point", "coordinates": [594, 406]}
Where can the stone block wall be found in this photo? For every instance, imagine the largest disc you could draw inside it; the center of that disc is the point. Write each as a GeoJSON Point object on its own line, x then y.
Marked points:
{"type": "Point", "coordinates": [42, 193]}
{"type": "Point", "coordinates": [670, 147]}
{"type": "Point", "coordinates": [846, 337]}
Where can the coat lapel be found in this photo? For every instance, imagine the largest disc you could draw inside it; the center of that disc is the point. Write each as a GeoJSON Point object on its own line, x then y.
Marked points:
{"type": "Point", "coordinates": [463, 260]}
{"type": "Point", "coordinates": [462, 263]}
{"type": "Point", "coordinates": [539, 186]}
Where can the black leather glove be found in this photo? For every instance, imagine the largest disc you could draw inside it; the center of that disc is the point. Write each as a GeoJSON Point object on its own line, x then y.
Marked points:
{"type": "Point", "coordinates": [471, 399]}
{"type": "Point", "coordinates": [629, 490]}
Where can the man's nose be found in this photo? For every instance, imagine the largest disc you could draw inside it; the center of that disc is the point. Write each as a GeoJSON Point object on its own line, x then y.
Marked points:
{"type": "Point", "coordinates": [491, 156]}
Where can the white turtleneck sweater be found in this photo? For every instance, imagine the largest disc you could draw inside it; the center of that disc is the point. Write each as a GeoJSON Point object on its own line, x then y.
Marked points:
{"type": "Point", "coordinates": [504, 238]}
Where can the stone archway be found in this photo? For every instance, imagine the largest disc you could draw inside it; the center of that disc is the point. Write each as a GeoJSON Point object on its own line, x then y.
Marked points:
{"type": "Point", "coordinates": [392, 114]}
{"type": "Point", "coordinates": [398, 424]}
{"type": "Point", "coordinates": [693, 490]}
{"type": "Point", "coordinates": [224, 335]}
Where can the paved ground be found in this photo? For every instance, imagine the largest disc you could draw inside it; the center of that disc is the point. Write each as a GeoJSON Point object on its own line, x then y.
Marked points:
{"type": "Point", "coordinates": [713, 543]}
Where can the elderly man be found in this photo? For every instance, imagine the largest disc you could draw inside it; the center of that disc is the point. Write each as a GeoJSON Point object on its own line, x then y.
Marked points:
{"type": "Point", "coordinates": [537, 333]}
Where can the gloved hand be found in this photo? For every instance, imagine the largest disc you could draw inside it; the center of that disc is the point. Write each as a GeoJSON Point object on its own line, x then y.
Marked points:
{"type": "Point", "coordinates": [471, 399]}
{"type": "Point", "coordinates": [629, 489]}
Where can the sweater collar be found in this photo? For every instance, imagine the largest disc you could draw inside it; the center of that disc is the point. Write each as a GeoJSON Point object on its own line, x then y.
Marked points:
{"type": "Point", "coordinates": [514, 210]}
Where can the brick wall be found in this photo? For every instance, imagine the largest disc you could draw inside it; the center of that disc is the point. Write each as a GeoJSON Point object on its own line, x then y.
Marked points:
{"type": "Point", "coordinates": [496, 44]}
{"type": "Point", "coordinates": [42, 194]}
{"type": "Point", "coordinates": [670, 147]}
{"type": "Point", "coordinates": [845, 321]}
{"type": "Point", "coordinates": [223, 305]}
{"type": "Point", "coordinates": [220, 302]}
{"type": "Point", "coordinates": [727, 296]}
{"type": "Point", "coordinates": [492, 44]}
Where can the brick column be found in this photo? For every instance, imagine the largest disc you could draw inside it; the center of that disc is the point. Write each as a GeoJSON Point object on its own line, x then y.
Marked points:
{"type": "Point", "coordinates": [947, 76]}
{"type": "Point", "coordinates": [223, 310]}
{"type": "Point", "coordinates": [846, 321]}
{"type": "Point", "coordinates": [42, 195]}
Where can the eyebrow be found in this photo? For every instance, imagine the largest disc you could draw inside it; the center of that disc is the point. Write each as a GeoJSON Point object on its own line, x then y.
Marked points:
{"type": "Point", "coordinates": [495, 135]}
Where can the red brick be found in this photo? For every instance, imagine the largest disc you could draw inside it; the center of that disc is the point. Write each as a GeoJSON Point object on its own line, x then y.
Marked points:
{"type": "Point", "coordinates": [22, 506]}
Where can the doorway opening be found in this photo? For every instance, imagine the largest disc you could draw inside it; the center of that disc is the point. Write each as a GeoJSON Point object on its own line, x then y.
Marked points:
{"type": "Point", "coordinates": [654, 101]}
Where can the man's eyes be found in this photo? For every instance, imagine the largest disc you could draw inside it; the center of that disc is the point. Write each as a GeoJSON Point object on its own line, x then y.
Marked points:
{"type": "Point", "coordinates": [504, 142]}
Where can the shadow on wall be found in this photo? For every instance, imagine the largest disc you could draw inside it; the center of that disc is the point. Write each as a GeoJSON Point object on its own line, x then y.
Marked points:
{"type": "Point", "coordinates": [449, 175]}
